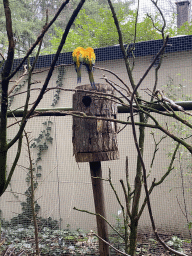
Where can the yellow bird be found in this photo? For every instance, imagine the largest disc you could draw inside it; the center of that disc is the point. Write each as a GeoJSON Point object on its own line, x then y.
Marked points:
{"type": "Point", "coordinates": [89, 60]}
{"type": "Point", "coordinates": [78, 57]}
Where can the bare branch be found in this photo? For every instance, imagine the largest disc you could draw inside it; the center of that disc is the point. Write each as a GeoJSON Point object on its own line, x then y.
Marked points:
{"type": "Point", "coordinates": [24, 120]}
{"type": "Point", "coordinates": [164, 21]}
{"type": "Point", "coordinates": [70, 22]}
{"type": "Point", "coordinates": [111, 72]}
{"type": "Point", "coordinates": [9, 61]}
{"type": "Point", "coordinates": [185, 211]}
{"type": "Point", "coordinates": [122, 253]}
{"type": "Point", "coordinates": [135, 37]}
{"type": "Point", "coordinates": [32, 194]}
{"type": "Point", "coordinates": [39, 38]}
{"type": "Point", "coordinates": [127, 64]}
{"type": "Point", "coordinates": [97, 214]}
{"type": "Point", "coordinates": [171, 102]}
{"type": "Point", "coordinates": [126, 198]}
{"type": "Point", "coordinates": [154, 184]}
{"type": "Point", "coordinates": [111, 84]}
{"type": "Point", "coordinates": [156, 147]}
{"type": "Point", "coordinates": [19, 80]}
{"type": "Point", "coordinates": [116, 195]}
{"type": "Point", "coordinates": [13, 165]}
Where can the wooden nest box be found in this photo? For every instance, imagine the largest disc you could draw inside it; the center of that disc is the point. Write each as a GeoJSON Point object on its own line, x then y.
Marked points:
{"type": "Point", "coordinates": [94, 139]}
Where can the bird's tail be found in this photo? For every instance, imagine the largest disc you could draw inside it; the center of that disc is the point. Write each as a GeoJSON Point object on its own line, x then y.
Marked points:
{"type": "Point", "coordinates": [78, 70]}
{"type": "Point", "coordinates": [91, 79]}
{"type": "Point", "coordinates": [78, 76]}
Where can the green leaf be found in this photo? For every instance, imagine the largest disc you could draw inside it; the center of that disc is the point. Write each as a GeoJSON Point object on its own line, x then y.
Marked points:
{"type": "Point", "coordinates": [189, 225]}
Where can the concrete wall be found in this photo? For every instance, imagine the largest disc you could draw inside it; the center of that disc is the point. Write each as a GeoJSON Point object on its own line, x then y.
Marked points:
{"type": "Point", "coordinates": [65, 184]}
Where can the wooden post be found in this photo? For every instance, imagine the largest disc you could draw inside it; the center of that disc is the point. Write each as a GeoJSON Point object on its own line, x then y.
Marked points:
{"type": "Point", "coordinates": [98, 194]}
{"type": "Point", "coordinates": [94, 141]}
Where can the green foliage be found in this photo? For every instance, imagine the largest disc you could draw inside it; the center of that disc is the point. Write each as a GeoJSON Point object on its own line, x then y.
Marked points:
{"type": "Point", "coordinates": [29, 18]}
{"type": "Point", "coordinates": [189, 225]}
{"type": "Point", "coordinates": [16, 90]}
{"type": "Point", "coordinates": [26, 216]}
{"type": "Point", "coordinates": [41, 142]}
{"type": "Point", "coordinates": [26, 25]}
{"type": "Point", "coordinates": [52, 242]}
{"type": "Point", "coordinates": [115, 239]}
{"type": "Point", "coordinates": [94, 25]}
{"type": "Point", "coordinates": [176, 92]}
{"type": "Point", "coordinates": [185, 29]}
{"type": "Point", "coordinates": [176, 243]}
{"type": "Point", "coordinates": [59, 82]}
{"type": "Point", "coordinates": [100, 30]}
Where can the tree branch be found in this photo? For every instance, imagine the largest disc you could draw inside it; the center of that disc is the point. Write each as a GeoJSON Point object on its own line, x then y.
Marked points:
{"type": "Point", "coordinates": [126, 198]}
{"type": "Point", "coordinates": [116, 195]}
{"type": "Point", "coordinates": [154, 184]}
{"type": "Point", "coordinates": [141, 158]}
{"type": "Point", "coordinates": [19, 80]}
{"type": "Point", "coordinates": [71, 20]}
{"type": "Point", "coordinates": [39, 38]}
{"type": "Point", "coordinates": [111, 72]}
{"type": "Point", "coordinates": [122, 253]}
{"type": "Point", "coordinates": [13, 165]}
{"type": "Point", "coordinates": [127, 64]}
{"type": "Point", "coordinates": [4, 96]}
{"type": "Point", "coordinates": [10, 56]}
{"type": "Point", "coordinates": [97, 214]}
{"type": "Point", "coordinates": [24, 120]}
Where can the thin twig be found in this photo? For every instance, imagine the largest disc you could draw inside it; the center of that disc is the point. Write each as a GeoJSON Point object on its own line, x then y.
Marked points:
{"type": "Point", "coordinates": [49, 75]}
{"type": "Point", "coordinates": [32, 194]}
{"type": "Point", "coordinates": [97, 214]}
{"type": "Point", "coordinates": [116, 195]}
{"type": "Point", "coordinates": [111, 84]}
{"type": "Point", "coordinates": [127, 64]}
{"type": "Point", "coordinates": [126, 198]}
{"type": "Point", "coordinates": [19, 80]}
{"type": "Point", "coordinates": [135, 37]}
{"type": "Point", "coordinates": [183, 194]}
{"type": "Point", "coordinates": [154, 183]}
{"type": "Point", "coordinates": [24, 120]}
{"type": "Point", "coordinates": [156, 148]}
{"type": "Point", "coordinates": [45, 29]}
{"type": "Point", "coordinates": [122, 253]}
{"type": "Point", "coordinates": [2, 56]}
{"type": "Point", "coordinates": [111, 72]}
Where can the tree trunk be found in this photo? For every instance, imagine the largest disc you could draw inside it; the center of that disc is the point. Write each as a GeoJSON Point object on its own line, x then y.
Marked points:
{"type": "Point", "coordinates": [137, 194]}
{"type": "Point", "coordinates": [3, 136]}
{"type": "Point", "coordinates": [133, 237]}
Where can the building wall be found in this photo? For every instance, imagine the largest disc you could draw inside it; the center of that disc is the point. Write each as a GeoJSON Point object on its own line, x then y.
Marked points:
{"type": "Point", "coordinates": [65, 183]}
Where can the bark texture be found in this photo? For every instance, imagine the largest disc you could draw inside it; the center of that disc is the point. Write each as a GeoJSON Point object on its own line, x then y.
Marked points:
{"type": "Point", "coordinates": [94, 140]}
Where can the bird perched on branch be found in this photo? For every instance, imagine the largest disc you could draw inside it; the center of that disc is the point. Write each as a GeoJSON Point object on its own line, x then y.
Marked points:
{"type": "Point", "coordinates": [86, 57]}
{"type": "Point", "coordinates": [78, 57]}
{"type": "Point", "coordinates": [89, 60]}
